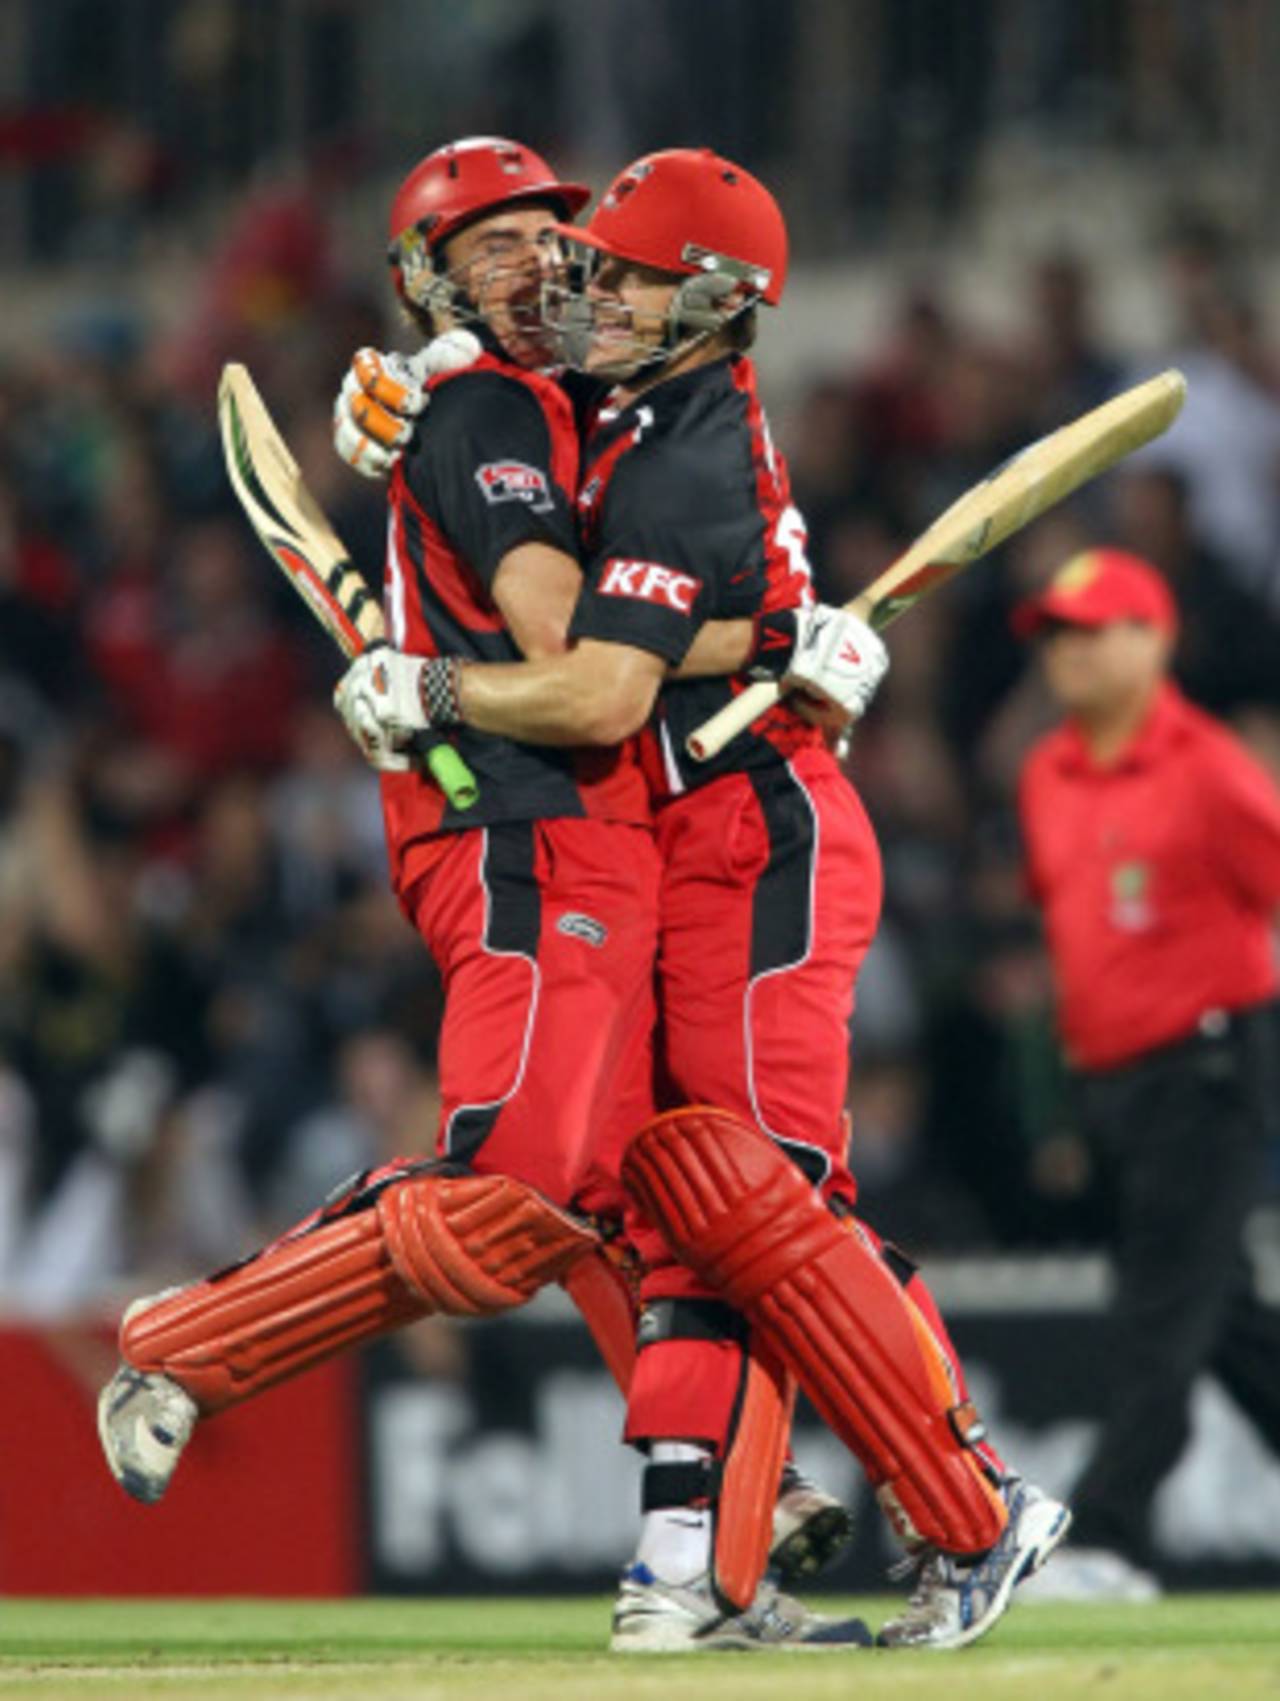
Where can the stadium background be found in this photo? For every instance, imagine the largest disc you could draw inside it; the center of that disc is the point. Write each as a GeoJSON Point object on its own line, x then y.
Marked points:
{"type": "Point", "coordinates": [209, 1008]}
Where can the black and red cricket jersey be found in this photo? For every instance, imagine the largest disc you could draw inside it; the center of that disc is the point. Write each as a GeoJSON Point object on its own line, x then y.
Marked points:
{"type": "Point", "coordinates": [686, 516]}
{"type": "Point", "coordinates": [1159, 878]}
{"type": "Point", "coordinates": [494, 465]}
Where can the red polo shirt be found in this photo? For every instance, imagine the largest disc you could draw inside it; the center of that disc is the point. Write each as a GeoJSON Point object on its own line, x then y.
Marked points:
{"type": "Point", "coordinates": [1159, 879]}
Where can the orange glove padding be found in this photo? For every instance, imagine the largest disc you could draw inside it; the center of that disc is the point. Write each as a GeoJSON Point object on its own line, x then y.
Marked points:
{"type": "Point", "coordinates": [383, 394]}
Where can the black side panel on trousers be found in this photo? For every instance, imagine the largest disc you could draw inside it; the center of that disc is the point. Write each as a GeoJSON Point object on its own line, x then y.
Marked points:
{"type": "Point", "coordinates": [515, 901]}
{"type": "Point", "coordinates": [781, 912]}
{"type": "Point", "coordinates": [780, 923]}
{"type": "Point", "coordinates": [514, 923]}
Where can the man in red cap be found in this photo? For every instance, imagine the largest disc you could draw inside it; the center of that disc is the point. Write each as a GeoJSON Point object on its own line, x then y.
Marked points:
{"type": "Point", "coordinates": [1153, 849]}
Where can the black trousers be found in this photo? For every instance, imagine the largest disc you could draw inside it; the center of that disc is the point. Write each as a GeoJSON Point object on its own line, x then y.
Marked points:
{"type": "Point", "coordinates": [1182, 1136]}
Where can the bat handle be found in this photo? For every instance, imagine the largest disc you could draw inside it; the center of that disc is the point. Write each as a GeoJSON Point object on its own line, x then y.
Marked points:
{"type": "Point", "coordinates": [710, 738]}
{"type": "Point", "coordinates": [742, 711]}
{"type": "Point", "coordinates": [448, 770]}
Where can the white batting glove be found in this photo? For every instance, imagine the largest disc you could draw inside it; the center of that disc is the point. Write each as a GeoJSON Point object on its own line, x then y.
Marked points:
{"type": "Point", "coordinates": [387, 699]}
{"type": "Point", "coordinates": [383, 394]}
{"type": "Point", "coordinates": [824, 651]}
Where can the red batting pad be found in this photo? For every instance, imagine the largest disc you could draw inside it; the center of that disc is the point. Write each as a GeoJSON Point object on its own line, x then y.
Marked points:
{"type": "Point", "coordinates": [741, 1215]}
{"type": "Point", "coordinates": [752, 1471]}
{"type": "Point", "coordinates": [461, 1245]}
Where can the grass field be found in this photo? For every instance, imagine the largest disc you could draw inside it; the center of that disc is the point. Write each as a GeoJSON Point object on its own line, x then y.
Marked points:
{"type": "Point", "coordinates": [1189, 1648]}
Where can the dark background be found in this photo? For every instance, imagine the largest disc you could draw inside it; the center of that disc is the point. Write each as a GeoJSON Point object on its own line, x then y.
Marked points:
{"type": "Point", "coordinates": [1002, 210]}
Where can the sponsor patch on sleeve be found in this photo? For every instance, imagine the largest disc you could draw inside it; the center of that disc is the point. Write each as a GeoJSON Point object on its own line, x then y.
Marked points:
{"type": "Point", "coordinates": [649, 581]}
{"type": "Point", "coordinates": [515, 481]}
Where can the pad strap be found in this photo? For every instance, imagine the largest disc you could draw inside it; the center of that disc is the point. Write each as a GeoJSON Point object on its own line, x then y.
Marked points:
{"type": "Point", "coordinates": [692, 1483]}
{"type": "Point", "coordinates": [689, 1320]}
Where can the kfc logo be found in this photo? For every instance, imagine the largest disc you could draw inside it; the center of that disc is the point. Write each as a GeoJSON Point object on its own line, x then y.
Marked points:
{"type": "Point", "coordinates": [515, 481]}
{"type": "Point", "coordinates": [646, 581]}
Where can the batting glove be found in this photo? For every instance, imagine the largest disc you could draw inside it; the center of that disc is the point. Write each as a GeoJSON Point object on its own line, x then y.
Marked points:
{"type": "Point", "coordinates": [387, 700]}
{"type": "Point", "coordinates": [825, 651]}
{"type": "Point", "coordinates": [382, 396]}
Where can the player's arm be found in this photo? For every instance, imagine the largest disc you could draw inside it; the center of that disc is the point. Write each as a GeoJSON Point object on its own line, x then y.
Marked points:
{"type": "Point", "coordinates": [536, 587]}
{"type": "Point", "coordinates": [636, 616]}
{"type": "Point", "coordinates": [597, 693]}
{"type": "Point", "coordinates": [721, 646]}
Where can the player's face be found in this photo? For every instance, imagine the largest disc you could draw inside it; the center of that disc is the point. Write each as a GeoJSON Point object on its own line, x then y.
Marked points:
{"type": "Point", "coordinates": [629, 306]}
{"type": "Point", "coordinates": [1092, 670]}
{"type": "Point", "coordinates": [498, 263]}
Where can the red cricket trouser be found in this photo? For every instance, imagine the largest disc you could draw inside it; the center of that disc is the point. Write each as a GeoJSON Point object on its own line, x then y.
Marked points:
{"type": "Point", "coordinates": [544, 934]}
{"type": "Point", "coordinates": [771, 888]}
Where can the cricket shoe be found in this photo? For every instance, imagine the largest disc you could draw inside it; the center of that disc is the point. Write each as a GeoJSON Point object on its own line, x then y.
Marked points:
{"type": "Point", "coordinates": [144, 1421]}
{"type": "Point", "coordinates": [652, 1617]}
{"type": "Point", "coordinates": [954, 1604]}
{"type": "Point", "coordinates": [810, 1528]}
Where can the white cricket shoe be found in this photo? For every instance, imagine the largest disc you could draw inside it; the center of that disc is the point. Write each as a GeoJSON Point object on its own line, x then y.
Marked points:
{"type": "Point", "coordinates": [144, 1422]}
{"type": "Point", "coordinates": [652, 1617]}
{"type": "Point", "coordinates": [953, 1604]}
{"type": "Point", "coordinates": [810, 1527]}
{"type": "Point", "coordinates": [1093, 1574]}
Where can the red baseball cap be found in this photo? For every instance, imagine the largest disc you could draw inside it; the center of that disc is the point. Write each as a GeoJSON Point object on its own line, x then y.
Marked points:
{"type": "Point", "coordinates": [1097, 587]}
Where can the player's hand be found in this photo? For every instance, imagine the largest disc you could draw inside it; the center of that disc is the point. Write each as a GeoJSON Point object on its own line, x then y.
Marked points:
{"type": "Point", "coordinates": [387, 699]}
{"type": "Point", "coordinates": [837, 658]}
{"type": "Point", "coordinates": [831, 719]}
{"type": "Point", "coordinates": [383, 395]}
{"type": "Point", "coordinates": [824, 651]}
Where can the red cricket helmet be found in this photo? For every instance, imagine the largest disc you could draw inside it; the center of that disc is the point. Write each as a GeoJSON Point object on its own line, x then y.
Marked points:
{"type": "Point", "coordinates": [689, 211]}
{"type": "Point", "coordinates": [462, 181]}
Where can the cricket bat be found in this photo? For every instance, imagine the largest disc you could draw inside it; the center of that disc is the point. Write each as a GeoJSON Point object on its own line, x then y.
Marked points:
{"type": "Point", "coordinates": [1017, 492]}
{"type": "Point", "coordinates": [293, 528]}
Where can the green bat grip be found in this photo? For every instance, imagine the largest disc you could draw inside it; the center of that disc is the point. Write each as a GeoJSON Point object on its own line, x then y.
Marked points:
{"type": "Point", "coordinates": [449, 771]}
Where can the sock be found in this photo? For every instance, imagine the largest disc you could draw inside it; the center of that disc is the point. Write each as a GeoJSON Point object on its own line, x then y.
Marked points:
{"type": "Point", "coordinates": [675, 1541]}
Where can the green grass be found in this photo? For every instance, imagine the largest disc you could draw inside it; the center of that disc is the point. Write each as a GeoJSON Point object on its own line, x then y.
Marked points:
{"type": "Point", "coordinates": [1189, 1648]}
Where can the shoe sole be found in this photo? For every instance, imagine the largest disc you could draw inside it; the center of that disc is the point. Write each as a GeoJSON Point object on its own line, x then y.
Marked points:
{"type": "Point", "coordinates": [812, 1548]}
{"type": "Point", "coordinates": [146, 1487]}
{"type": "Point", "coordinates": [132, 1482]}
{"type": "Point", "coordinates": [656, 1642]}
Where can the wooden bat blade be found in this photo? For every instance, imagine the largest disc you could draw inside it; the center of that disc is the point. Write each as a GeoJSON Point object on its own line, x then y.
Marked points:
{"type": "Point", "coordinates": [1017, 492]}
{"type": "Point", "coordinates": [1020, 490]}
{"type": "Point", "coordinates": [302, 543]}
{"type": "Point", "coordinates": [287, 518]}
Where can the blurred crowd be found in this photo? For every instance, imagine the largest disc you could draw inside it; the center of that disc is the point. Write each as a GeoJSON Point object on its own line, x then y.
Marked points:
{"type": "Point", "coordinates": [211, 1010]}
{"type": "Point", "coordinates": [871, 115]}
